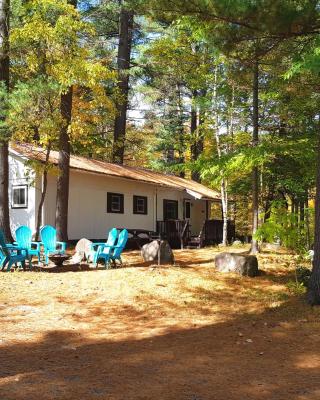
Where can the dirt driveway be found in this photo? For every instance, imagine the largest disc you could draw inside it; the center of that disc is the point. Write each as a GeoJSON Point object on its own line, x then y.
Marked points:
{"type": "Point", "coordinates": [141, 332]}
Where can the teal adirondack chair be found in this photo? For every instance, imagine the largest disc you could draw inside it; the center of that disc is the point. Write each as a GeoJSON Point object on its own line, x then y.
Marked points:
{"type": "Point", "coordinates": [118, 249]}
{"type": "Point", "coordinates": [48, 236]}
{"type": "Point", "coordinates": [24, 240]}
{"type": "Point", "coordinates": [102, 250]}
{"type": "Point", "coordinates": [11, 255]}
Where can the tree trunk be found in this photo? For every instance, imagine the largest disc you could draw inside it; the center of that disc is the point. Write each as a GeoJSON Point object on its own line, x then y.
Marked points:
{"type": "Point", "coordinates": [197, 121]}
{"type": "Point", "coordinates": [64, 162]}
{"type": "Point", "coordinates": [43, 192]}
{"type": "Point", "coordinates": [194, 135]}
{"type": "Point", "coordinates": [181, 131]}
{"type": "Point", "coordinates": [223, 183]}
{"type": "Point", "coordinates": [268, 204]}
{"type": "Point", "coordinates": [255, 173]}
{"type": "Point", "coordinates": [307, 220]}
{"type": "Point", "coordinates": [4, 133]}
{"type": "Point", "coordinates": [64, 168]}
{"type": "Point", "coordinates": [313, 294]}
{"type": "Point", "coordinates": [124, 55]}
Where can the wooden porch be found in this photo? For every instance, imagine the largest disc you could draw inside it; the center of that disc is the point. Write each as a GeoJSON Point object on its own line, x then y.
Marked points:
{"type": "Point", "coordinates": [178, 233]}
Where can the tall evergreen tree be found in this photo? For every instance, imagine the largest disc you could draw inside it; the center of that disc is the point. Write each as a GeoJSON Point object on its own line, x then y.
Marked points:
{"type": "Point", "coordinates": [64, 161]}
{"type": "Point", "coordinates": [4, 133]}
{"type": "Point", "coordinates": [126, 20]}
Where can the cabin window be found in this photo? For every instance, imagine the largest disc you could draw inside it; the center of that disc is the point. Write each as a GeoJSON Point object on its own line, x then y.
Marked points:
{"type": "Point", "coordinates": [140, 205]}
{"type": "Point", "coordinates": [19, 196]}
{"type": "Point", "coordinates": [170, 209]}
{"type": "Point", "coordinates": [115, 203]}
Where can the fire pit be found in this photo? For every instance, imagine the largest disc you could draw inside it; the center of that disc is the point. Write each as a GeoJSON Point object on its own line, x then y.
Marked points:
{"type": "Point", "coordinates": [59, 259]}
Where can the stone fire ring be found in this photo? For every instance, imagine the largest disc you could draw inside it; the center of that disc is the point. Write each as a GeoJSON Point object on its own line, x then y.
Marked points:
{"type": "Point", "coordinates": [59, 259]}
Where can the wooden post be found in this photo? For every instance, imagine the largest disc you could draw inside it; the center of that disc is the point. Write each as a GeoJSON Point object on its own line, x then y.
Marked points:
{"type": "Point", "coordinates": [207, 209]}
{"type": "Point", "coordinates": [159, 252]}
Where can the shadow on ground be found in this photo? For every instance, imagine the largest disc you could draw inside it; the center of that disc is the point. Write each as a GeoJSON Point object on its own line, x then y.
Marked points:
{"type": "Point", "coordinates": [249, 357]}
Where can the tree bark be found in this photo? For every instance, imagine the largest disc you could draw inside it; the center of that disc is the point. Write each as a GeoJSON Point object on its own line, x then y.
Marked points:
{"type": "Point", "coordinates": [181, 131]}
{"type": "Point", "coordinates": [313, 294]}
{"type": "Point", "coordinates": [64, 168]}
{"type": "Point", "coordinates": [194, 137]}
{"type": "Point", "coordinates": [223, 183]}
{"type": "Point", "coordinates": [255, 173]}
{"type": "Point", "coordinates": [43, 192]}
{"type": "Point", "coordinates": [307, 219]}
{"type": "Point", "coordinates": [198, 144]}
{"type": "Point", "coordinates": [4, 133]}
{"type": "Point", "coordinates": [124, 56]}
{"type": "Point", "coordinates": [64, 162]}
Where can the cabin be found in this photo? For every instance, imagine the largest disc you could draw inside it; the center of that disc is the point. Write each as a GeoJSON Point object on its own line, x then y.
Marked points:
{"type": "Point", "coordinates": [104, 195]}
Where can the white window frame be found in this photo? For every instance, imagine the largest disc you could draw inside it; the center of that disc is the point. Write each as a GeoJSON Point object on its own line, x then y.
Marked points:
{"type": "Point", "coordinates": [19, 205]}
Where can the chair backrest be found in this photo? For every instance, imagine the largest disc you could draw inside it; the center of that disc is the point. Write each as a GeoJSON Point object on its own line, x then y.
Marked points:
{"type": "Point", "coordinates": [4, 252]}
{"type": "Point", "coordinates": [122, 241]}
{"type": "Point", "coordinates": [112, 238]}
{"type": "Point", "coordinates": [48, 236]}
{"type": "Point", "coordinates": [24, 236]}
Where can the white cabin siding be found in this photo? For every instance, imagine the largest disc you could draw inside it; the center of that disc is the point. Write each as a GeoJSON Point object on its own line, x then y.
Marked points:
{"type": "Point", "coordinates": [19, 174]}
{"type": "Point", "coordinates": [88, 216]}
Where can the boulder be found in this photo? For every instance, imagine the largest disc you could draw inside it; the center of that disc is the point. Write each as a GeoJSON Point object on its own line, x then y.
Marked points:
{"type": "Point", "coordinates": [242, 264]}
{"type": "Point", "coordinates": [150, 252]}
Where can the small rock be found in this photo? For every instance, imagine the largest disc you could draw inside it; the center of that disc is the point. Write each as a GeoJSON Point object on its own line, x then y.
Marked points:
{"type": "Point", "coordinates": [68, 347]}
{"type": "Point", "coordinates": [261, 353]}
{"type": "Point", "coordinates": [249, 340]}
{"type": "Point", "coordinates": [240, 334]}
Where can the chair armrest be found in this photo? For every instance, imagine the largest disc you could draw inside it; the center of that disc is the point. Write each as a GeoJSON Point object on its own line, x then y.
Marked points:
{"type": "Point", "coordinates": [93, 245]}
{"type": "Point", "coordinates": [10, 247]}
{"type": "Point", "coordinates": [103, 246]}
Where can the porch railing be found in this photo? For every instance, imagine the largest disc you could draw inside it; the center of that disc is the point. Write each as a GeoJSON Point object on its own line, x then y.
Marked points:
{"type": "Point", "coordinates": [176, 232]}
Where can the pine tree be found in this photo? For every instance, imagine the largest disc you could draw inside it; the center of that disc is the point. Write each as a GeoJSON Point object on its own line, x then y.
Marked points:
{"type": "Point", "coordinates": [4, 133]}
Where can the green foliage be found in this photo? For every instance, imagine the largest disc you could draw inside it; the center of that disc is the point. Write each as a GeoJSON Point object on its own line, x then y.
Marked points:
{"type": "Point", "coordinates": [299, 285]}
{"type": "Point", "coordinates": [50, 52]}
{"type": "Point", "coordinates": [5, 132]}
{"type": "Point", "coordinates": [303, 275]}
{"type": "Point", "coordinates": [284, 226]}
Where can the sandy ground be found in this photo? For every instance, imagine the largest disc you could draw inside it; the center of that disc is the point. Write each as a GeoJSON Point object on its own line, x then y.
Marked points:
{"type": "Point", "coordinates": [140, 332]}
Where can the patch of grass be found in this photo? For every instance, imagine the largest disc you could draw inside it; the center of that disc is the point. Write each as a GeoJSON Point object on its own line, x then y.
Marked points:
{"type": "Point", "coordinates": [296, 288]}
{"type": "Point", "coordinates": [266, 296]}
